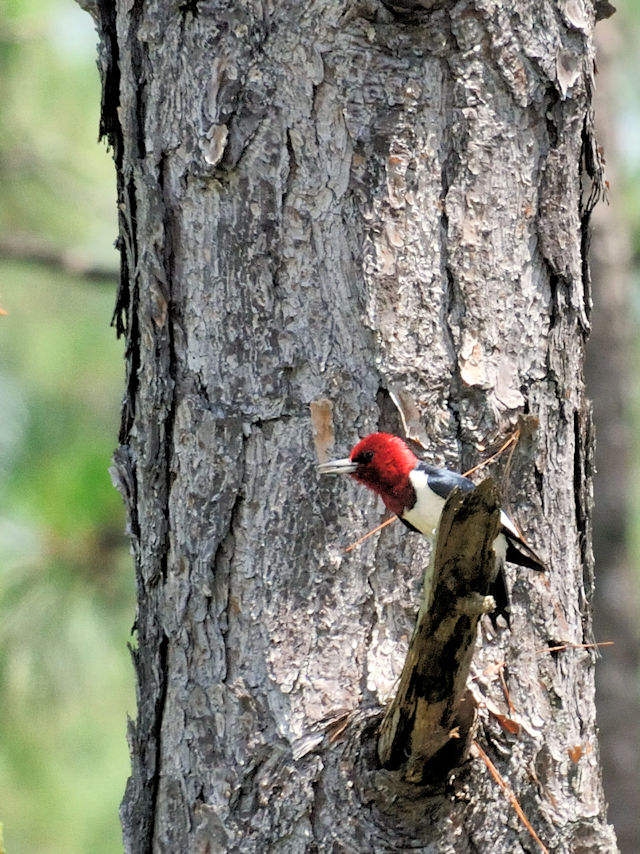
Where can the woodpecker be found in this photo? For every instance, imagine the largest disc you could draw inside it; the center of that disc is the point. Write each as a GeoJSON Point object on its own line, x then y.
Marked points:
{"type": "Point", "coordinates": [416, 492]}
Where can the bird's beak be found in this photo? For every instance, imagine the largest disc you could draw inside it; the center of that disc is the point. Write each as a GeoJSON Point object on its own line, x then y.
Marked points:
{"type": "Point", "coordinates": [344, 466]}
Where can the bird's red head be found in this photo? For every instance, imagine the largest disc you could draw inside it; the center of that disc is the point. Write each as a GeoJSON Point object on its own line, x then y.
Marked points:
{"type": "Point", "coordinates": [383, 465]}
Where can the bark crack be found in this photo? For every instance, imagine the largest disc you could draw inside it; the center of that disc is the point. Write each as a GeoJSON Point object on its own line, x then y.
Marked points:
{"type": "Point", "coordinates": [109, 64]}
{"type": "Point", "coordinates": [156, 735]}
{"type": "Point", "coordinates": [137, 65]}
{"type": "Point", "coordinates": [126, 312]}
{"type": "Point", "coordinates": [171, 372]}
{"type": "Point", "coordinates": [222, 563]}
{"type": "Point", "coordinates": [453, 303]}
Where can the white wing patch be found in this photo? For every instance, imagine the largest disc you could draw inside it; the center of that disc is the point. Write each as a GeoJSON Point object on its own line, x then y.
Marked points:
{"type": "Point", "coordinates": [508, 524]}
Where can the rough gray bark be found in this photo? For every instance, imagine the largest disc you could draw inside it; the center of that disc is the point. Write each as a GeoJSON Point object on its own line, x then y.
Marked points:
{"type": "Point", "coordinates": [346, 203]}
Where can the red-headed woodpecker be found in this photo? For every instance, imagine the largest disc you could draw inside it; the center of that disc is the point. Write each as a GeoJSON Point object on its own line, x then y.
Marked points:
{"type": "Point", "coordinates": [416, 492]}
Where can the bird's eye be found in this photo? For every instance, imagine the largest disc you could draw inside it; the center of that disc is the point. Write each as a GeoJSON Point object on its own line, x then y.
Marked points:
{"type": "Point", "coordinates": [363, 458]}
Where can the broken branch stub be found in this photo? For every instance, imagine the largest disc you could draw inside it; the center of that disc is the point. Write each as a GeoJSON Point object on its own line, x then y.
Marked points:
{"type": "Point", "coordinates": [431, 708]}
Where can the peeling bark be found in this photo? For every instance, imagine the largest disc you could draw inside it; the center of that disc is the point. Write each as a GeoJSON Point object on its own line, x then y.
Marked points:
{"type": "Point", "coordinates": [429, 721]}
{"type": "Point", "coordinates": [329, 202]}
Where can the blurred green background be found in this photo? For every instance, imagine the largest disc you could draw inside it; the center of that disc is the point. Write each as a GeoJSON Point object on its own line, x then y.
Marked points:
{"type": "Point", "coordinates": [67, 596]}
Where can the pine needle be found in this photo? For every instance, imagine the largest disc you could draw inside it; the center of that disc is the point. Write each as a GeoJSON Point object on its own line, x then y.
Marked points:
{"type": "Point", "coordinates": [512, 798]}
{"type": "Point", "coordinates": [370, 533]}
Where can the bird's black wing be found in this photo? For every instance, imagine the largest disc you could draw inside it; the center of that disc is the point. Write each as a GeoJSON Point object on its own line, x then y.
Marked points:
{"type": "Point", "coordinates": [409, 525]}
{"type": "Point", "coordinates": [444, 481]}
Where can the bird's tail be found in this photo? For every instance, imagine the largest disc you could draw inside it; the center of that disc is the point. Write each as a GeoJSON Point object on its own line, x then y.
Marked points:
{"type": "Point", "coordinates": [521, 554]}
{"type": "Point", "coordinates": [503, 604]}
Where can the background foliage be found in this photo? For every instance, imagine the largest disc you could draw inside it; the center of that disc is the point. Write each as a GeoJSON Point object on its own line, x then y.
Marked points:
{"type": "Point", "coordinates": [66, 587]}
{"type": "Point", "coordinates": [66, 582]}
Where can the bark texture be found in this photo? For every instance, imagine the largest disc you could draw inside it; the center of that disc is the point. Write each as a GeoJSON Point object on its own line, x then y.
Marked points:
{"type": "Point", "coordinates": [347, 204]}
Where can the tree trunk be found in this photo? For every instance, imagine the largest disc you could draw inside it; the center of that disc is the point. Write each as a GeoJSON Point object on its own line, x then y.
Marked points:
{"type": "Point", "coordinates": [342, 206]}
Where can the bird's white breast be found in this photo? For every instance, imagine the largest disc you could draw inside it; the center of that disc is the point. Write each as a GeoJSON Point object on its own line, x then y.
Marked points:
{"type": "Point", "coordinates": [425, 513]}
